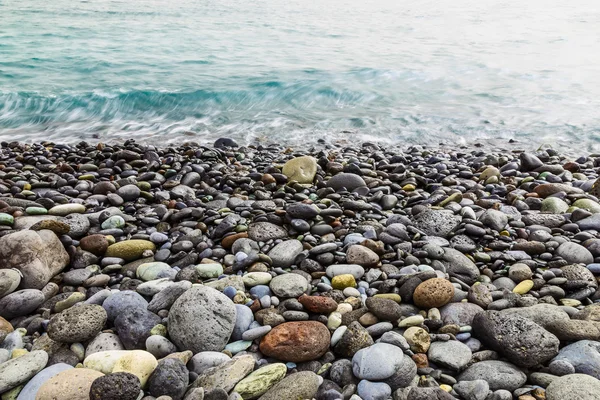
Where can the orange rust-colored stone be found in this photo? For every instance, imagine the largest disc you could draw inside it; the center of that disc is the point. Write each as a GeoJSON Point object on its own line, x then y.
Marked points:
{"type": "Point", "coordinates": [318, 304]}
{"type": "Point", "coordinates": [421, 360]}
{"type": "Point", "coordinates": [434, 292]}
{"type": "Point", "coordinates": [296, 341]}
{"type": "Point", "coordinates": [228, 241]}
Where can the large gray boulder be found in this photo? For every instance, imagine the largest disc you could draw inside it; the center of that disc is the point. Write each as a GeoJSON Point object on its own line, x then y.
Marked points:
{"type": "Point", "coordinates": [39, 255]}
{"type": "Point", "coordinates": [521, 340]}
{"type": "Point", "coordinates": [202, 319]}
{"type": "Point", "coordinates": [574, 386]}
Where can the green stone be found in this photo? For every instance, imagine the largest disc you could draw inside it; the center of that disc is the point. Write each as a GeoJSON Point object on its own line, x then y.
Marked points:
{"type": "Point", "coordinates": [147, 195]}
{"type": "Point", "coordinates": [238, 346]}
{"type": "Point", "coordinates": [159, 329]}
{"type": "Point", "coordinates": [6, 219]}
{"type": "Point", "coordinates": [208, 271]}
{"type": "Point", "coordinates": [260, 381]}
{"type": "Point", "coordinates": [114, 222]}
{"type": "Point", "coordinates": [587, 204]}
{"type": "Point", "coordinates": [86, 177]}
{"type": "Point", "coordinates": [73, 299]}
{"type": "Point", "coordinates": [324, 368]}
{"type": "Point", "coordinates": [13, 393]}
{"type": "Point", "coordinates": [151, 271]}
{"type": "Point", "coordinates": [301, 169]}
{"type": "Point", "coordinates": [36, 211]}
{"type": "Point", "coordinates": [554, 205]}
{"type": "Point", "coordinates": [145, 186]}
{"type": "Point", "coordinates": [479, 256]}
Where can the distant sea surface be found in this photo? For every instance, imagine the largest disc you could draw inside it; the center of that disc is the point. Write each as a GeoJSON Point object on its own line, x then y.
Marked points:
{"type": "Point", "coordinates": [295, 71]}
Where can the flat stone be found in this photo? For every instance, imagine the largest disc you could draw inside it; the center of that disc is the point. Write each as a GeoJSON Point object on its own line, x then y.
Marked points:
{"type": "Point", "coordinates": [343, 269]}
{"type": "Point", "coordinates": [63, 210]}
{"type": "Point", "coordinates": [451, 354]}
{"type": "Point", "coordinates": [498, 374]}
{"type": "Point", "coordinates": [541, 314]}
{"type": "Point", "coordinates": [548, 189]}
{"type": "Point", "coordinates": [289, 285]}
{"type": "Point", "coordinates": [296, 341]}
{"type": "Point", "coordinates": [260, 381]}
{"type": "Point", "coordinates": [20, 303]}
{"type": "Point", "coordinates": [226, 375]}
{"type": "Point", "coordinates": [21, 369]}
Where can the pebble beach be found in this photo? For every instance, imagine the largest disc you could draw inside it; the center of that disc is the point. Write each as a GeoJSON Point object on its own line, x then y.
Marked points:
{"type": "Point", "coordinates": [336, 271]}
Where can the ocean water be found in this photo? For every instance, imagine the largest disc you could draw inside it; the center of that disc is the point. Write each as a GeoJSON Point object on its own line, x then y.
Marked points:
{"type": "Point", "coordinates": [295, 71]}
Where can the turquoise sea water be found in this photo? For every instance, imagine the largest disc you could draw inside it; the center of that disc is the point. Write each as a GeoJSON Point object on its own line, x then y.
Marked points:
{"type": "Point", "coordinates": [296, 71]}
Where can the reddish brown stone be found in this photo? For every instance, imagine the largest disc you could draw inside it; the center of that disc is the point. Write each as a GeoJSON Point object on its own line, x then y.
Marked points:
{"type": "Point", "coordinates": [318, 304]}
{"type": "Point", "coordinates": [434, 292]}
{"type": "Point", "coordinates": [268, 179]}
{"type": "Point", "coordinates": [296, 341]}
{"type": "Point", "coordinates": [228, 241]}
{"type": "Point", "coordinates": [96, 244]}
{"type": "Point", "coordinates": [421, 360]}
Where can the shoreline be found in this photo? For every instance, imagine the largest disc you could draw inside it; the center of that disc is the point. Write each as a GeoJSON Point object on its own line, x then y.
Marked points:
{"type": "Point", "coordinates": [353, 271]}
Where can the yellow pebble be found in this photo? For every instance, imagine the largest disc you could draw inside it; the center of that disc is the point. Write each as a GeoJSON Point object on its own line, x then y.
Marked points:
{"type": "Point", "coordinates": [341, 282]}
{"type": "Point", "coordinates": [570, 302]}
{"type": "Point", "coordinates": [409, 187]}
{"type": "Point", "coordinates": [391, 296]}
{"type": "Point", "coordinates": [523, 287]}
{"type": "Point", "coordinates": [16, 353]}
{"type": "Point", "coordinates": [505, 233]}
{"type": "Point", "coordinates": [446, 388]}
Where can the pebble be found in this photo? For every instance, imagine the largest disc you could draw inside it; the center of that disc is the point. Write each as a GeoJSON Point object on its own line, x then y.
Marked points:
{"type": "Point", "coordinates": [192, 254]}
